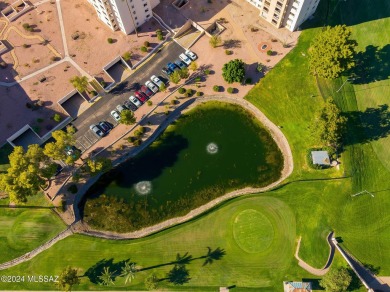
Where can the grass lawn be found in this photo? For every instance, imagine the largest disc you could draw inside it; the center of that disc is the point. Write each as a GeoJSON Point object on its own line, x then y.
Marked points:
{"type": "Point", "coordinates": [312, 203]}
{"type": "Point", "coordinates": [23, 229]}
{"type": "Point", "coordinates": [230, 228]}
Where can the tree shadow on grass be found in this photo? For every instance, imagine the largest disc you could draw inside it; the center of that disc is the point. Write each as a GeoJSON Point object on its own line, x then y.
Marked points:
{"type": "Point", "coordinates": [371, 65]}
{"type": "Point", "coordinates": [96, 270]}
{"type": "Point", "coordinates": [370, 125]}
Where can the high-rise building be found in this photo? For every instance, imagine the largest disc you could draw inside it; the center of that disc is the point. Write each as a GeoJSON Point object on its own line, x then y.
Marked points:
{"type": "Point", "coordinates": [286, 13]}
{"type": "Point", "coordinates": [125, 15]}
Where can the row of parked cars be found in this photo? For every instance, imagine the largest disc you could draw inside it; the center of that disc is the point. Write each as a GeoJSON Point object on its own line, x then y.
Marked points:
{"type": "Point", "coordinates": [184, 60]}
{"type": "Point", "coordinates": [144, 93]}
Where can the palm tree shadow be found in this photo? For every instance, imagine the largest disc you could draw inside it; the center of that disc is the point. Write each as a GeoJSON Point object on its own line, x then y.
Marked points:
{"type": "Point", "coordinates": [97, 269]}
{"type": "Point", "coordinates": [213, 255]}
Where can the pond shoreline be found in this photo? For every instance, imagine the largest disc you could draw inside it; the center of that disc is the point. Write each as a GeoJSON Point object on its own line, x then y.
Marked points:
{"type": "Point", "coordinates": [273, 130]}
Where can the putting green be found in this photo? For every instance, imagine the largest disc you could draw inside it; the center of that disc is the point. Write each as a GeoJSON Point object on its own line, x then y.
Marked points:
{"type": "Point", "coordinates": [252, 231]}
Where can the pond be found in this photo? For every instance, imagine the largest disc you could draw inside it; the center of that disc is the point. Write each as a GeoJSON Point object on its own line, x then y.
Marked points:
{"type": "Point", "coordinates": [210, 150]}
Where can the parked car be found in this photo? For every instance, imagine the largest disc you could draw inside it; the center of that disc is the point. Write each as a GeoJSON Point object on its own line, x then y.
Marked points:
{"type": "Point", "coordinates": [120, 108]}
{"type": "Point", "coordinates": [172, 66]}
{"type": "Point", "coordinates": [135, 101]}
{"type": "Point", "coordinates": [147, 90]}
{"type": "Point", "coordinates": [141, 95]}
{"type": "Point", "coordinates": [156, 80]}
{"type": "Point", "coordinates": [115, 115]}
{"type": "Point", "coordinates": [167, 71]}
{"type": "Point", "coordinates": [129, 105]}
{"type": "Point", "coordinates": [180, 64]}
{"type": "Point", "coordinates": [191, 55]}
{"type": "Point", "coordinates": [98, 132]}
{"type": "Point", "coordinates": [72, 151]}
{"type": "Point", "coordinates": [151, 86]}
{"type": "Point", "coordinates": [106, 128]}
{"type": "Point", "coordinates": [185, 59]}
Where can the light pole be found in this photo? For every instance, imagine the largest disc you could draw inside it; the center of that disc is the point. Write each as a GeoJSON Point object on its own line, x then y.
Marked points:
{"type": "Point", "coordinates": [348, 79]}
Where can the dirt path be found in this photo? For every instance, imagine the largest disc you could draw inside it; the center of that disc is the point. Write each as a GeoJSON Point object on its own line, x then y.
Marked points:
{"type": "Point", "coordinates": [310, 269]}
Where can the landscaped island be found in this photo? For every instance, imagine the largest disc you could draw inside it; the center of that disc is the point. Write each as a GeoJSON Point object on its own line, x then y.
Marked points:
{"type": "Point", "coordinates": [211, 150]}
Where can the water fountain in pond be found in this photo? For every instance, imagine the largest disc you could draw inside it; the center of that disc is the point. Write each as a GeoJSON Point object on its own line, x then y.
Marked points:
{"type": "Point", "coordinates": [143, 187]}
{"type": "Point", "coordinates": [212, 148]}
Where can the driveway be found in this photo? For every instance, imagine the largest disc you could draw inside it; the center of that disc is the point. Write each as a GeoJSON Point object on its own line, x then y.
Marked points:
{"type": "Point", "coordinates": [100, 111]}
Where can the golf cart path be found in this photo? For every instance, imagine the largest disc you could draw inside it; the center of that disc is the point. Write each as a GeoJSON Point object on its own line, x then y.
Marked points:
{"type": "Point", "coordinates": [310, 269]}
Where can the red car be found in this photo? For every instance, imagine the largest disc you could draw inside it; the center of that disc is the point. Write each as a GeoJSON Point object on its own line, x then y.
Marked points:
{"type": "Point", "coordinates": [141, 96]}
{"type": "Point", "coordinates": [146, 90]}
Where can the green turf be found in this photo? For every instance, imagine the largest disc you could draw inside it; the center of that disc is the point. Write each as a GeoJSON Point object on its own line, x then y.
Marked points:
{"type": "Point", "coordinates": [235, 268]}
{"type": "Point", "coordinates": [23, 229]}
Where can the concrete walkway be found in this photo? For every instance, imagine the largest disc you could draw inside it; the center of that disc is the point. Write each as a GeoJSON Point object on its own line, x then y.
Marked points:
{"type": "Point", "coordinates": [310, 269]}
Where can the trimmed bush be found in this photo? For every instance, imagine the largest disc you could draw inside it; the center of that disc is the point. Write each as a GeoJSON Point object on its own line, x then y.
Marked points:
{"type": "Point", "coordinates": [270, 52]}
{"type": "Point", "coordinates": [146, 44]}
{"type": "Point", "coordinates": [216, 88]}
{"type": "Point", "coordinates": [144, 49]}
{"type": "Point", "coordinates": [172, 102]}
{"type": "Point", "coordinates": [110, 40]}
{"type": "Point", "coordinates": [126, 56]}
{"type": "Point", "coordinates": [230, 90]}
{"type": "Point", "coordinates": [199, 93]}
{"type": "Point", "coordinates": [26, 46]}
{"type": "Point", "coordinates": [181, 90]}
{"type": "Point", "coordinates": [149, 102]}
{"type": "Point", "coordinates": [228, 52]}
{"type": "Point", "coordinates": [57, 118]}
{"type": "Point", "coordinates": [207, 72]}
{"type": "Point", "coordinates": [189, 91]}
{"type": "Point", "coordinates": [160, 37]}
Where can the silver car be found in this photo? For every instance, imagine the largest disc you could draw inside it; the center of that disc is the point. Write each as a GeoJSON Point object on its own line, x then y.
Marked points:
{"type": "Point", "coordinates": [135, 101]}
{"type": "Point", "coordinates": [185, 59]}
{"type": "Point", "coordinates": [115, 115]}
{"type": "Point", "coordinates": [191, 55]}
{"type": "Point", "coordinates": [156, 80]}
{"type": "Point", "coordinates": [151, 86]}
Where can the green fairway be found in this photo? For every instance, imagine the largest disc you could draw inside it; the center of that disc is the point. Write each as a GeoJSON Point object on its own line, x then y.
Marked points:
{"type": "Point", "coordinates": [236, 267]}
{"type": "Point", "coordinates": [22, 230]}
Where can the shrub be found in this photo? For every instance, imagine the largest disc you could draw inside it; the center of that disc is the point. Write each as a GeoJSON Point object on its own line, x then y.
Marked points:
{"type": "Point", "coordinates": [72, 189]}
{"type": "Point", "coordinates": [137, 142]}
{"type": "Point", "coordinates": [27, 27]}
{"type": "Point", "coordinates": [141, 129]}
{"type": "Point", "coordinates": [228, 52]}
{"type": "Point", "coordinates": [254, 29]}
{"type": "Point", "coordinates": [274, 40]}
{"type": "Point", "coordinates": [189, 91]}
{"type": "Point", "coordinates": [160, 37]}
{"type": "Point", "coordinates": [158, 31]}
{"type": "Point", "coordinates": [166, 112]}
{"type": "Point", "coordinates": [144, 49]}
{"type": "Point", "coordinates": [172, 102]}
{"type": "Point", "coordinates": [137, 133]}
{"type": "Point", "coordinates": [230, 90]}
{"type": "Point", "coordinates": [216, 88]}
{"type": "Point", "coordinates": [110, 40]}
{"type": "Point", "coordinates": [270, 52]}
{"type": "Point", "coordinates": [149, 102]}
{"type": "Point", "coordinates": [207, 72]}
{"type": "Point", "coordinates": [248, 80]}
{"type": "Point", "coordinates": [26, 46]}
{"type": "Point", "coordinates": [198, 79]}
{"type": "Point", "coordinates": [53, 58]}
{"type": "Point", "coordinates": [126, 56]}
{"type": "Point", "coordinates": [260, 68]}
{"type": "Point", "coordinates": [3, 65]}
{"type": "Point", "coordinates": [199, 93]}
{"type": "Point", "coordinates": [103, 83]}
{"type": "Point", "coordinates": [181, 90]}
{"type": "Point", "coordinates": [146, 44]}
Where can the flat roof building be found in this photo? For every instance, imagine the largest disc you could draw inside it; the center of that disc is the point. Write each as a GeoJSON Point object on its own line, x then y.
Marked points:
{"type": "Point", "coordinates": [124, 15]}
{"type": "Point", "coordinates": [286, 13]}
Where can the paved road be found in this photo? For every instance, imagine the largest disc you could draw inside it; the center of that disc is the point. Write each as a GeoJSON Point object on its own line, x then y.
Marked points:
{"type": "Point", "coordinates": [100, 111]}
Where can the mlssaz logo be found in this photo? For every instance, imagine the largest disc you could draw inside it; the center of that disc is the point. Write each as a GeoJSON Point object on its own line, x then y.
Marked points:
{"type": "Point", "coordinates": [42, 279]}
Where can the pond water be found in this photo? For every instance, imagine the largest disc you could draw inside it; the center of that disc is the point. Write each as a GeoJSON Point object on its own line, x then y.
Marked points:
{"type": "Point", "coordinates": [212, 149]}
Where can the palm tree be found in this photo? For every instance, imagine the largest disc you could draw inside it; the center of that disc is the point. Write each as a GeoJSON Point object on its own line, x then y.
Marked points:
{"type": "Point", "coordinates": [106, 277]}
{"type": "Point", "coordinates": [80, 83]}
{"type": "Point", "coordinates": [128, 271]}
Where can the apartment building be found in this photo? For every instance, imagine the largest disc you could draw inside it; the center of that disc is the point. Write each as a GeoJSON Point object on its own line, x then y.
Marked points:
{"type": "Point", "coordinates": [124, 15]}
{"type": "Point", "coordinates": [286, 13]}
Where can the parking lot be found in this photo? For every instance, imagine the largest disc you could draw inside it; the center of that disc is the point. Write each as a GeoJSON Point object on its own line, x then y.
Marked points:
{"type": "Point", "coordinates": [100, 111]}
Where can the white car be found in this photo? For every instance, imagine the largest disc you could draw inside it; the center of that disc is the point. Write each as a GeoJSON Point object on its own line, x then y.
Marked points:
{"type": "Point", "coordinates": [191, 55]}
{"type": "Point", "coordinates": [156, 80]}
{"type": "Point", "coordinates": [135, 101]}
{"type": "Point", "coordinates": [115, 115]}
{"type": "Point", "coordinates": [151, 86]}
{"type": "Point", "coordinates": [185, 59]}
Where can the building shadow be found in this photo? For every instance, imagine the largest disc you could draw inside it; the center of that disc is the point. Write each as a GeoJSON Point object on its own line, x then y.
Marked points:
{"type": "Point", "coordinates": [371, 65]}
